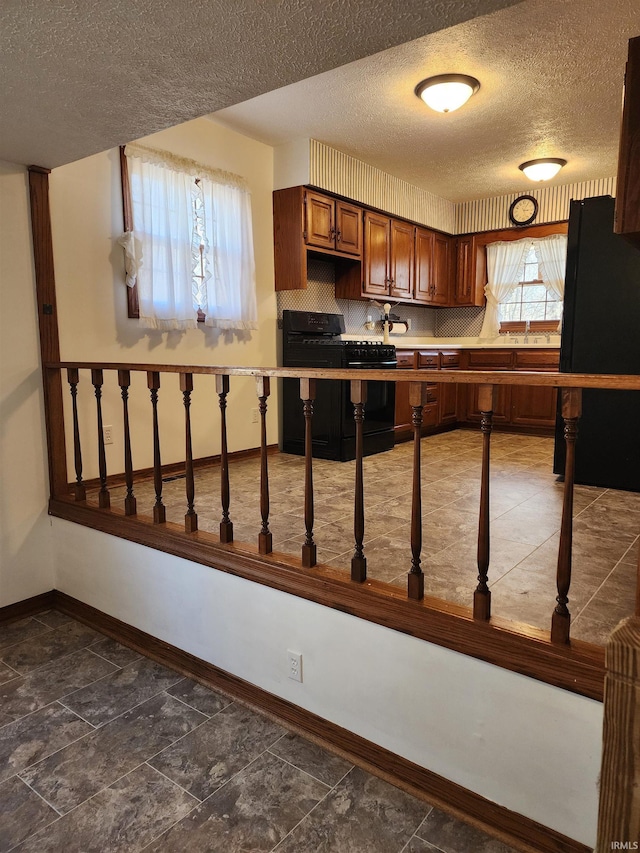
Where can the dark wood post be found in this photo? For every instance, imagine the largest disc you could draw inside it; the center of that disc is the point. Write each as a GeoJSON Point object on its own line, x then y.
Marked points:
{"type": "Point", "coordinates": [48, 328]}
{"type": "Point", "coordinates": [308, 395]}
{"type": "Point", "coordinates": [226, 525]}
{"type": "Point", "coordinates": [417, 400]}
{"type": "Point", "coordinates": [265, 539]}
{"type": "Point", "coordinates": [124, 381]}
{"type": "Point", "coordinates": [561, 620]}
{"type": "Point", "coordinates": [482, 595]}
{"type": "Point", "coordinates": [73, 377]}
{"type": "Point", "coordinates": [619, 812]}
{"type": "Point", "coordinates": [104, 500]}
{"type": "Point", "coordinates": [191, 517]}
{"type": "Point", "coordinates": [159, 510]}
{"type": "Point", "coordinates": [358, 561]}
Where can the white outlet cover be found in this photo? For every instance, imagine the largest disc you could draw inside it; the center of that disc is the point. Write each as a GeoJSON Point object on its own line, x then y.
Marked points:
{"type": "Point", "coordinates": [294, 665]}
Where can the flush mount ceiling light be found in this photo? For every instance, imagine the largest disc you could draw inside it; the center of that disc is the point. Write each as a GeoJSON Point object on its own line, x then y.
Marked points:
{"type": "Point", "coordinates": [543, 169]}
{"type": "Point", "coordinates": [446, 92]}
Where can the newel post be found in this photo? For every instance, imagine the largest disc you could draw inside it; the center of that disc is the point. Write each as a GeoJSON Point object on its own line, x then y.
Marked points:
{"type": "Point", "coordinates": [619, 813]}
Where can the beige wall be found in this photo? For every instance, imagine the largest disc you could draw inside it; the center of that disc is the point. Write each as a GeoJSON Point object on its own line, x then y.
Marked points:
{"type": "Point", "coordinates": [26, 566]}
{"type": "Point", "coordinates": [86, 205]}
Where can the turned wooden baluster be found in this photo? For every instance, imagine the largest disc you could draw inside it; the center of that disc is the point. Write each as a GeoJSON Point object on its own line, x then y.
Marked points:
{"type": "Point", "coordinates": [358, 561]}
{"type": "Point", "coordinates": [265, 539]}
{"type": "Point", "coordinates": [159, 511]}
{"type": "Point", "coordinates": [417, 400]}
{"type": "Point", "coordinates": [124, 381]}
{"type": "Point", "coordinates": [226, 525]}
{"type": "Point", "coordinates": [73, 377]}
{"type": "Point", "coordinates": [561, 620]}
{"type": "Point", "coordinates": [308, 395]}
{"type": "Point", "coordinates": [191, 517]}
{"type": "Point", "coordinates": [104, 500]}
{"type": "Point", "coordinates": [482, 595]}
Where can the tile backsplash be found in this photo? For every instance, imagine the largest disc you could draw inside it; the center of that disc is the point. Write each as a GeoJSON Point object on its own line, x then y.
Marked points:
{"type": "Point", "coordinates": [425, 322]}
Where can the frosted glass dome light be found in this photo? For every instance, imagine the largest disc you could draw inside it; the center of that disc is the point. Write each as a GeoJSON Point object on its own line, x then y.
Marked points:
{"type": "Point", "coordinates": [543, 169]}
{"type": "Point", "coordinates": [447, 92]}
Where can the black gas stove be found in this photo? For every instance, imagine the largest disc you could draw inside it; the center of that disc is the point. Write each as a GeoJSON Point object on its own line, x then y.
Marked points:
{"type": "Point", "coordinates": [313, 339]}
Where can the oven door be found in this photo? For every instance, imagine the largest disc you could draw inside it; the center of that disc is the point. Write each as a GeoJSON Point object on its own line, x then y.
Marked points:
{"type": "Point", "coordinates": [379, 410]}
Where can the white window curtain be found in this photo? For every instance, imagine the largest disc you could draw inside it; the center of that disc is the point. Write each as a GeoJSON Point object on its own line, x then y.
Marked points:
{"type": "Point", "coordinates": [505, 265]}
{"type": "Point", "coordinates": [179, 206]}
{"type": "Point", "coordinates": [552, 260]}
{"type": "Point", "coordinates": [230, 274]}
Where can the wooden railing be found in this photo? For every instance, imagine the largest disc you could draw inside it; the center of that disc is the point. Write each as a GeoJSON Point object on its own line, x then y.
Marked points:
{"type": "Point", "coordinates": [552, 656]}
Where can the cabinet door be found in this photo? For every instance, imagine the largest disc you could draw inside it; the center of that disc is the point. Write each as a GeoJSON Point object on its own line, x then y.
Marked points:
{"type": "Point", "coordinates": [533, 406]}
{"type": "Point", "coordinates": [464, 271]}
{"type": "Point", "coordinates": [349, 228]}
{"type": "Point", "coordinates": [502, 404]}
{"type": "Point", "coordinates": [441, 270]}
{"type": "Point", "coordinates": [320, 224]}
{"type": "Point", "coordinates": [377, 239]}
{"type": "Point", "coordinates": [402, 259]}
{"type": "Point", "coordinates": [448, 399]}
{"type": "Point", "coordinates": [423, 285]}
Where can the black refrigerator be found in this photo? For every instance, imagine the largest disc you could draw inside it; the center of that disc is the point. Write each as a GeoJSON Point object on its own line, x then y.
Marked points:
{"type": "Point", "coordinates": [601, 334]}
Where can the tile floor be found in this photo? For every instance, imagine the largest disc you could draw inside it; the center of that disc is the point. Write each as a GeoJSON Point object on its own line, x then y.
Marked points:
{"type": "Point", "coordinates": [105, 751]}
{"type": "Point", "coordinates": [526, 506]}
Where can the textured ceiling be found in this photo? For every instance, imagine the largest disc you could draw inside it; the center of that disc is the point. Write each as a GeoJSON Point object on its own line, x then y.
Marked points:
{"type": "Point", "coordinates": [551, 75]}
{"type": "Point", "coordinates": [80, 76]}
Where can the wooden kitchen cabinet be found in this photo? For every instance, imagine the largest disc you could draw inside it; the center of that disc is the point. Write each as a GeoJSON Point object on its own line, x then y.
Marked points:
{"type": "Point", "coordinates": [306, 222]}
{"type": "Point", "coordinates": [534, 406]}
{"type": "Point", "coordinates": [332, 224]}
{"type": "Point", "coordinates": [627, 221]}
{"type": "Point", "coordinates": [470, 272]}
{"type": "Point", "coordinates": [529, 407]}
{"type": "Point", "coordinates": [377, 240]}
{"type": "Point", "coordinates": [389, 250]}
{"type": "Point", "coordinates": [434, 267]}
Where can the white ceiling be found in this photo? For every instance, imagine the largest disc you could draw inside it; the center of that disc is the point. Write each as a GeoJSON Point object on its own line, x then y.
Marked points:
{"type": "Point", "coordinates": [551, 74]}
{"type": "Point", "coordinates": [81, 76]}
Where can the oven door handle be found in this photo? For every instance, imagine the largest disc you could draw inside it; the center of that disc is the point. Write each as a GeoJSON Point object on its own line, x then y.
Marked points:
{"type": "Point", "coordinates": [372, 364]}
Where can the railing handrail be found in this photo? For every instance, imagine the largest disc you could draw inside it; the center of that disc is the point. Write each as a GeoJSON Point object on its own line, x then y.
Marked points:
{"type": "Point", "coordinates": [553, 379]}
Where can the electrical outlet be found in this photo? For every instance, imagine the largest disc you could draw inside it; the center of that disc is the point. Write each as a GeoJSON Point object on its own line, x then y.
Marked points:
{"type": "Point", "coordinates": [254, 416]}
{"type": "Point", "coordinates": [107, 432]}
{"type": "Point", "coordinates": [294, 663]}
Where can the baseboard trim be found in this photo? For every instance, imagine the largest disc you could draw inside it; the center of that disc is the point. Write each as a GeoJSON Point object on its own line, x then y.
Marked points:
{"type": "Point", "coordinates": [511, 828]}
{"type": "Point", "coordinates": [28, 607]}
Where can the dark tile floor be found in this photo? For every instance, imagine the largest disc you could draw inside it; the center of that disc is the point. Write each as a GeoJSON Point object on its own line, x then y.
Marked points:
{"type": "Point", "coordinates": [526, 506]}
{"type": "Point", "coordinates": [102, 750]}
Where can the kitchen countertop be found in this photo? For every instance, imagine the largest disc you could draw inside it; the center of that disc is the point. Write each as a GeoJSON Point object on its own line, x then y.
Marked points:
{"type": "Point", "coordinates": [538, 341]}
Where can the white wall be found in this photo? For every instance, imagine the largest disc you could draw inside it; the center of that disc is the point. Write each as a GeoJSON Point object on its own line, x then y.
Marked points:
{"type": "Point", "coordinates": [26, 566]}
{"type": "Point", "coordinates": [526, 745]}
{"type": "Point", "coordinates": [86, 208]}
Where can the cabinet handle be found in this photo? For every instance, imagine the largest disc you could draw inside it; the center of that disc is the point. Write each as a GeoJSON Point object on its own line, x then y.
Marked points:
{"type": "Point", "coordinates": [332, 233]}
{"type": "Point", "coordinates": [339, 236]}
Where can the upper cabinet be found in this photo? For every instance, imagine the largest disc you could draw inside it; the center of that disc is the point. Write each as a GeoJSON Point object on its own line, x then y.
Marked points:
{"type": "Point", "coordinates": [628, 194]}
{"type": "Point", "coordinates": [389, 247]}
{"type": "Point", "coordinates": [332, 224]}
{"type": "Point", "coordinates": [470, 271]}
{"type": "Point", "coordinates": [433, 268]}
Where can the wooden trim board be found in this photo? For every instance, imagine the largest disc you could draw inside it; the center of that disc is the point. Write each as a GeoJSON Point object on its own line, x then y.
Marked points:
{"type": "Point", "coordinates": [28, 607]}
{"type": "Point", "coordinates": [510, 827]}
{"type": "Point", "coordinates": [510, 645]}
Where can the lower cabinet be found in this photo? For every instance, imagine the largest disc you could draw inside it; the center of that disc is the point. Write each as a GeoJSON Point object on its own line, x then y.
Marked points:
{"type": "Point", "coordinates": [530, 408]}
{"type": "Point", "coordinates": [519, 408]}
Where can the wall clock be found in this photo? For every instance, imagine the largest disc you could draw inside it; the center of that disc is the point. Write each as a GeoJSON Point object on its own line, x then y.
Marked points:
{"type": "Point", "coordinates": [523, 210]}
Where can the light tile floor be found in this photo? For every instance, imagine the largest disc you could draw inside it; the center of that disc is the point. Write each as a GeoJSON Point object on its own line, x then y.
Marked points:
{"type": "Point", "coordinates": [526, 506]}
{"type": "Point", "coordinates": [104, 751]}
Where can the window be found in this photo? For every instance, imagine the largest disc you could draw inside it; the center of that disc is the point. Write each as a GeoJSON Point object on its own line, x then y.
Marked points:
{"type": "Point", "coordinates": [525, 284]}
{"type": "Point", "coordinates": [188, 244]}
{"type": "Point", "coordinates": [531, 300]}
